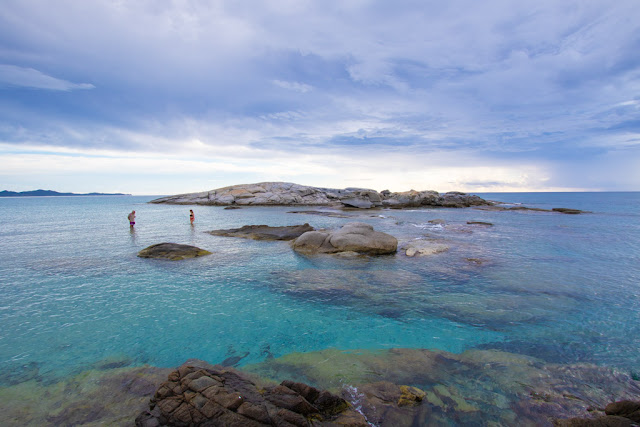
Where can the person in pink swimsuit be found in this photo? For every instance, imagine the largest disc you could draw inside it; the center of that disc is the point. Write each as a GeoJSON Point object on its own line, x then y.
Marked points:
{"type": "Point", "coordinates": [132, 218]}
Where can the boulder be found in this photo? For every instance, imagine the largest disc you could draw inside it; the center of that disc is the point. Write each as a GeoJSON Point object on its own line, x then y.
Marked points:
{"type": "Point", "coordinates": [172, 251]}
{"type": "Point", "coordinates": [198, 393]}
{"type": "Point", "coordinates": [265, 232]}
{"type": "Point", "coordinates": [352, 237]}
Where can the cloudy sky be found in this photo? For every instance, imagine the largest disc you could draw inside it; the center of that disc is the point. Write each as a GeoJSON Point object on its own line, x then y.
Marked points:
{"type": "Point", "coordinates": [164, 97]}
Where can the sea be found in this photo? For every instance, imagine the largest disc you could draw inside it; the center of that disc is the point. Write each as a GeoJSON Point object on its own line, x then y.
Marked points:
{"type": "Point", "coordinates": [73, 292]}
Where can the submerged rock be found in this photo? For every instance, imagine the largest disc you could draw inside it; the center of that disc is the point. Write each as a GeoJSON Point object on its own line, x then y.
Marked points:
{"type": "Point", "coordinates": [198, 393]}
{"type": "Point", "coordinates": [111, 397]}
{"type": "Point", "coordinates": [287, 193]}
{"type": "Point", "coordinates": [172, 251]}
{"type": "Point", "coordinates": [423, 248]}
{"type": "Point", "coordinates": [352, 237]}
{"type": "Point", "coordinates": [477, 387]}
{"type": "Point", "coordinates": [265, 232]}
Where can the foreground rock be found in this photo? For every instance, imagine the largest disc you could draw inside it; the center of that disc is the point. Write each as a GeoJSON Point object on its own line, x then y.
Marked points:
{"type": "Point", "coordinates": [265, 232]}
{"type": "Point", "coordinates": [198, 393]}
{"type": "Point", "coordinates": [352, 237]}
{"type": "Point", "coordinates": [172, 251]}
{"type": "Point", "coordinates": [286, 193]}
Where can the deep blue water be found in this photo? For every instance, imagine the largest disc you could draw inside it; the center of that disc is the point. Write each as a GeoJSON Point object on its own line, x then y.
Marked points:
{"type": "Point", "coordinates": [564, 288]}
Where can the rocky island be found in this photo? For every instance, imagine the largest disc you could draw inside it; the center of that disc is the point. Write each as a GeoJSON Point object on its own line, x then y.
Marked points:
{"type": "Point", "coordinates": [290, 194]}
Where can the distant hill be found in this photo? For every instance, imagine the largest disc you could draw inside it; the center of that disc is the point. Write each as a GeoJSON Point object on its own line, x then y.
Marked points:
{"type": "Point", "coordinates": [32, 193]}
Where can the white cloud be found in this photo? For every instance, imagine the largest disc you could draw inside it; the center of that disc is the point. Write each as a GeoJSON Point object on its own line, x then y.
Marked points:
{"type": "Point", "coordinates": [527, 85]}
{"type": "Point", "coordinates": [295, 86]}
{"type": "Point", "coordinates": [28, 77]}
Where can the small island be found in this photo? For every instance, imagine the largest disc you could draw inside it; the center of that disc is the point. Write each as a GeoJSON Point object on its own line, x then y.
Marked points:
{"type": "Point", "coordinates": [49, 193]}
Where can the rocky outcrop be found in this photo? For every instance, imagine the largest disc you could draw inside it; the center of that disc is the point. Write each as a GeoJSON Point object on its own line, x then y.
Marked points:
{"type": "Point", "coordinates": [198, 393]}
{"type": "Point", "coordinates": [172, 251]}
{"type": "Point", "coordinates": [265, 232]}
{"type": "Point", "coordinates": [412, 198]}
{"type": "Point", "coordinates": [286, 193]}
{"type": "Point", "coordinates": [352, 237]}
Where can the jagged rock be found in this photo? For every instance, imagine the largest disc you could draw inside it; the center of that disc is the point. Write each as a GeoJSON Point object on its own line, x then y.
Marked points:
{"type": "Point", "coordinates": [286, 193]}
{"type": "Point", "coordinates": [352, 237]}
{"type": "Point", "coordinates": [198, 393]}
{"type": "Point", "coordinates": [265, 232]}
{"type": "Point", "coordinates": [172, 251]}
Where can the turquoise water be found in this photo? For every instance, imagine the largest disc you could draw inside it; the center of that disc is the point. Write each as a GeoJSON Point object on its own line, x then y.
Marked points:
{"type": "Point", "coordinates": [73, 293]}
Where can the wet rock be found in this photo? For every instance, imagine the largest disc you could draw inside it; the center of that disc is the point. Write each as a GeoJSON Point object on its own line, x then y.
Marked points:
{"type": "Point", "coordinates": [198, 393]}
{"type": "Point", "coordinates": [487, 224]}
{"type": "Point", "coordinates": [172, 251]}
{"type": "Point", "coordinates": [265, 232]}
{"type": "Point", "coordinates": [410, 395]}
{"type": "Point", "coordinates": [568, 211]}
{"type": "Point", "coordinates": [352, 237]}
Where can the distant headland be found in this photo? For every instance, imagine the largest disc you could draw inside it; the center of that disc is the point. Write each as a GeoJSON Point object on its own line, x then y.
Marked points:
{"type": "Point", "coordinates": [41, 193]}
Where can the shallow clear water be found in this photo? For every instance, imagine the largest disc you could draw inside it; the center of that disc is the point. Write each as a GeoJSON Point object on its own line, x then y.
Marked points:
{"type": "Point", "coordinates": [564, 288]}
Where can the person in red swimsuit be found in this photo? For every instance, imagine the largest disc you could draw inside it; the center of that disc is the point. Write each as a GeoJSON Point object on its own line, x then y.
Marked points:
{"type": "Point", "coordinates": [191, 216]}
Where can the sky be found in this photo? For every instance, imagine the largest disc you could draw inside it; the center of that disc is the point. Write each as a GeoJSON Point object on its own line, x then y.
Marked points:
{"type": "Point", "coordinates": [165, 97]}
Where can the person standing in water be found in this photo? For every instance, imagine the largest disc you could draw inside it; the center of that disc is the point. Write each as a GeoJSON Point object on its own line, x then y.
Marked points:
{"type": "Point", "coordinates": [132, 218]}
{"type": "Point", "coordinates": [191, 216]}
